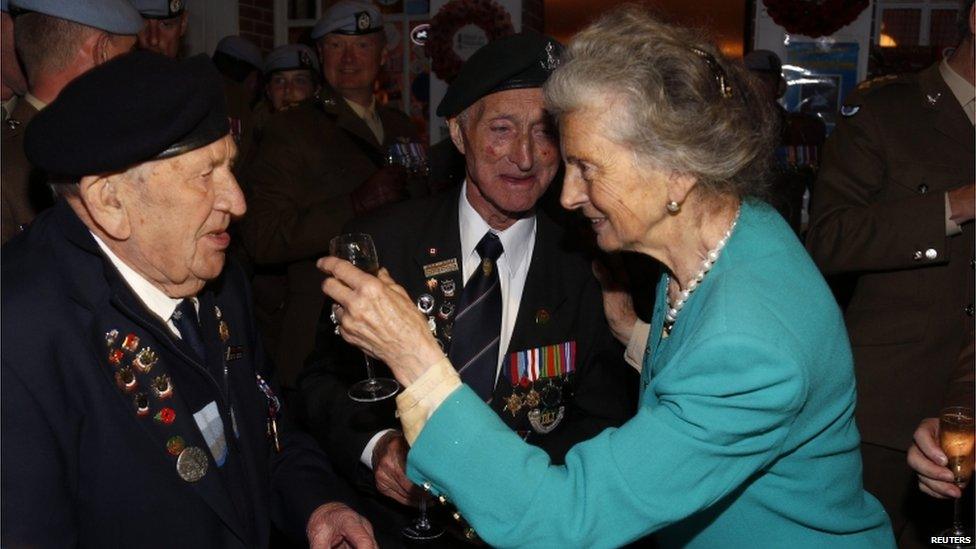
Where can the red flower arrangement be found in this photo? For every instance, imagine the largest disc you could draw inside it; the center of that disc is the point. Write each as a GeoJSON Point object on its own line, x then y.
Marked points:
{"type": "Point", "coordinates": [488, 15]}
{"type": "Point", "coordinates": [814, 18]}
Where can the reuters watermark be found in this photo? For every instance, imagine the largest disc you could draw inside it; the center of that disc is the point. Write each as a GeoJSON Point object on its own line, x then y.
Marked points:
{"type": "Point", "coordinates": [951, 540]}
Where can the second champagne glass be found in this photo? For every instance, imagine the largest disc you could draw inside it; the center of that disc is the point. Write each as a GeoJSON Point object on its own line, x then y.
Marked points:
{"type": "Point", "coordinates": [358, 249]}
{"type": "Point", "coordinates": [957, 436]}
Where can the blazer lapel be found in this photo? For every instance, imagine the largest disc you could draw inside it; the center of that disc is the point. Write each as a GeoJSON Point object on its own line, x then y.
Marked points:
{"type": "Point", "coordinates": [948, 117]}
{"type": "Point", "coordinates": [439, 264]}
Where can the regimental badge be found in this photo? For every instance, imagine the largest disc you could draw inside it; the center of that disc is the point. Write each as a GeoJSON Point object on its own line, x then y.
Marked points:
{"type": "Point", "coordinates": [304, 59]}
{"type": "Point", "coordinates": [933, 98]}
{"type": "Point", "coordinates": [130, 343]}
{"type": "Point", "coordinates": [115, 356]}
{"type": "Point", "coordinates": [166, 416]}
{"type": "Point", "coordinates": [125, 379]}
{"type": "Point", "coordinates": [446, 310]}
{"type": "Point", "coordinates": [192, 464]}
{"type": "Point", "coordinates": [550, 63]}
{"type": "Point", "coordinates": [142, 404]}
{"type": "Point", "coordinates": [532, 398]}
{"type": "Point", "coordinates": [175, 7]}
{"type": "Point", "coordinates": [544, 421]}
{"type": "Point", "coordinates": [486, 266]}
{"type": "Point", "coordinates": [363, 20]}
{"type": "Point", "coordinates": [513, 404]}
{"type": "Point", "coordinates": [13, 123]}
{"type": "Point", "coordinates": [162, 386]}
{"type": "Point", "coordinates": [448, 287]}
{"type": "Point", "coordinates": [224, 330]}
{"type": "Point", "coordinates": [145, 360]}
{"type": "Point", "coordinates": [425, 303]}
{"type": "Point", "coordinates": [432, 284]}
{"type": "Point", "coordinates": [111, 337]}
{"type": "Point", "coordinates": [175, 445]}
{"type": "Point", "coordinates": [441, 268]}
{"type": "Point", "coordinates": [848, 111]}
{"type": "Point", "coordinates": [218, 313]}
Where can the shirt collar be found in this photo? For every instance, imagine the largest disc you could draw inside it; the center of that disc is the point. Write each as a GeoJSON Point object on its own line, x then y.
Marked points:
{"type": "Point", "coordinates": [963, 90]}
{"type": "Point", "coordinates": [152, 297]}
{"type": "Point", "coordinates": [361, 111]}
{"type": "Point", "coordinates": [34, 102]}
{"type": "Point", "coordinates": [516, 240]}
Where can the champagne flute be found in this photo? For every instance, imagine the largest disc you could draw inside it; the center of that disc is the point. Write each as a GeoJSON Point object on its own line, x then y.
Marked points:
{"type": "Point", "coordinates": [422, 528]}
{"type": "Point", "coordinates": [358, 249]}
{"type": "Point", "coordinates": [957, 436]}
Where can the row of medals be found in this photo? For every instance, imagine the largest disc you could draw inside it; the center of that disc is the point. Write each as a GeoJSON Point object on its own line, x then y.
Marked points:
{"type": "Point", "coordinates": [128, 358]}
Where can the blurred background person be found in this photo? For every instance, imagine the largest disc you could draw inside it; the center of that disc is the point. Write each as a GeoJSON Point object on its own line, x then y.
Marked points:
{"type": "Point", "coordinates": [166, 22]}
{"type": "Point", "coordinates": [893, 204]}
{"type": "Point", "coordinates": [13, 84]}
{"type": "Point", "coordinates": [315, 167]}
{"type": "Point", "coordinates": [745, 432]}
{"type": "Point", "coordinates": [239, 62]}
{"type": "Point", "coordinates": [57, 41]}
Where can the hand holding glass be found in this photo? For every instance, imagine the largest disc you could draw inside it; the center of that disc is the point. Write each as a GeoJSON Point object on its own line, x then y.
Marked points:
{"type": "Point", "coordinates": [957, 436]}
{"type": "Point", "coordinates": [358, 249]}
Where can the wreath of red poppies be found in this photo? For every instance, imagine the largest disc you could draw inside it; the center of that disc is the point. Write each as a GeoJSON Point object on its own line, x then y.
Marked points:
{"type": "Point", "coordinates": [812, 18]}
{"type": "Point", "coordinates": [488, 15]}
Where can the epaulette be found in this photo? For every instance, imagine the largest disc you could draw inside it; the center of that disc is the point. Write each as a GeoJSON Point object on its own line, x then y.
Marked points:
{"type": "Point", "coordinates": [853, 102]}
{"type": "Point", "coordinates": [880, 82]}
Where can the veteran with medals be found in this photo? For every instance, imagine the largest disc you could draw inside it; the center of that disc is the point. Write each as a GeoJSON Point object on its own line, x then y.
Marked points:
{"type": "Point", "coordinates": [135, 410]}
{"type": "Point", "coordinates": [745, 434]}
{"type": "Point", "coordinates": [496, 281]}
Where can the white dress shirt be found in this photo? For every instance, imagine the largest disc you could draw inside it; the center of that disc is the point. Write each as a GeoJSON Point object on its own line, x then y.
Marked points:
{"type": "Point", "coordinates": [518, 243]}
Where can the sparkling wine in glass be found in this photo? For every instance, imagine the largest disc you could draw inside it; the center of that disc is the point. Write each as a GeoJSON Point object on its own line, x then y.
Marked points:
{"type": "Point", "coordinates": [957, 436]}
{"type": "Point", "coordinates": [422, 528]}
{"type": "Point", "coordinates": [358, 249]}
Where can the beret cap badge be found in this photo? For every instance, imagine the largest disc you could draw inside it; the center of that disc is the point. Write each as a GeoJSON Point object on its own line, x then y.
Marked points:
{"type": "Point", "coordinates": [363, 20]}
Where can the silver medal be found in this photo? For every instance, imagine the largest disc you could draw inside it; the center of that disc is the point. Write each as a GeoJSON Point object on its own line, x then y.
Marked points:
{"type": "Point", "coordinates": [192, 464]}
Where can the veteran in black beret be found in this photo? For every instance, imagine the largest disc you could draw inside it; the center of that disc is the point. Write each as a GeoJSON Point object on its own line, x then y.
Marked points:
{"type": "Point", "coordinates": [498, 279]}
{"type": "Point", "coordinates": [136, 404]}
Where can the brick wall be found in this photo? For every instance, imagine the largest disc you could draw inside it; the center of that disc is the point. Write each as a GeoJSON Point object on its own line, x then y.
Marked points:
{"type": "Point", "coordinates": [533, 15]}
{"type": "Point", "coordinates": [257, 22]}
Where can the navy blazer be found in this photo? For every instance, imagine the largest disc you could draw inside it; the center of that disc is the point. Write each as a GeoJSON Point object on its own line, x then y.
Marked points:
{"type": "Point", "coordinates": [81, 465]}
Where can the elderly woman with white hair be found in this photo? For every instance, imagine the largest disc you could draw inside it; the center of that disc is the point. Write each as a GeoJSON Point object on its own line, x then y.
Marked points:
{"type": "Point", "coordinates": [745, 435]}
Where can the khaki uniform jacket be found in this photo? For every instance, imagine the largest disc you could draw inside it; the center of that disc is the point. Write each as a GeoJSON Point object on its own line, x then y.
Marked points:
{"type": "Point", "coordinates": [299, 178]}
{"type": "Point", "coordinates": [878, 210]}
{"type": "Point", "coordinates": [23, 193]}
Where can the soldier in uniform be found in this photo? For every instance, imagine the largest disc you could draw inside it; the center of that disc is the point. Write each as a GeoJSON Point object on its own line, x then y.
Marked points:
{"type": "Point", "coordinates": [166, 22]}
{"type": "Point", "coordinates": [57, 40]}
{"type": "Point", "coordinates": [239, 62]}
{"type": "Point", "coordinates": [894, 203]}
{"type": "Point", "coordinates": [318, 165]}
{"type": "Point", "coordinates": [135, 407]}
{"type": "Point", "coordinates": [550, 309]}
{"type": "Point", "coordinates": [13, 85]}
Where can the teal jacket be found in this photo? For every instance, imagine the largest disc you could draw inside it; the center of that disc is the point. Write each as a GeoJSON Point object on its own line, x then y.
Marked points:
{"type": "Point", "coordinates": [745, 436]}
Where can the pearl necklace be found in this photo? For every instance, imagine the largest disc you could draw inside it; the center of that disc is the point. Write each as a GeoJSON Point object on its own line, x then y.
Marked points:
{"type": "Point", "coordinates": [710, 258]}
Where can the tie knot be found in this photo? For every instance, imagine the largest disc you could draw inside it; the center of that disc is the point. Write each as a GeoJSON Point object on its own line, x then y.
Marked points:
{"type": "Point", "coordinates": [490, 247]}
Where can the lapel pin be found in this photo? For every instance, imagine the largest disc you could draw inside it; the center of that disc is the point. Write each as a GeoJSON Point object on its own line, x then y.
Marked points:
{"type": "Point", "coordinates": [166, 416]}
{"type": "Point", "coordinates": [542, 316]}
{"type": "Point", "coordinates": [432, 284]}
{"type": "Point", "coordinates": [162, 387]}
{"type": "Point", "coordinates": [432, 251]}
{"type": "Point", "coordinates": [224, 331]}
{"type": "Point", "coordinates": [142, 404]}
{"type": "Point", "coordinates": [130, 343]}
{"type": "Point", "coordinates": [448, 287]}
{"type": "Point", "coordinates": [145, 360]}
{"type": "Point", "coordinates": [933, 98]}
{"type": "Point", "coordinates": [425, 303]}
{"type": "Point", "coordinates": [175, 445]}
{"type": "Point", "coordinates": [111, 337]}
{"type": "Point", "coordinates": [115, 356]}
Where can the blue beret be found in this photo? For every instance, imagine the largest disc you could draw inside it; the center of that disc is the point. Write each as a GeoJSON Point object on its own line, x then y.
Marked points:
{"type": "Point", "coordinates": [290, 57]}
{"type": "Point", "coordinates": [115, 16]}
{"type": "Point", "coordinates": [159, 9]}
{"type": "Point", "coordinates": [4, 6]}
{"type": "Point", "coordinates": [240, 48]}
{"type": "Point", "coordinates": [348, 17]}
{"type": "Point", "coordinates": [137, 107]}
{"type": "Point", "coordinates": [523, 60]}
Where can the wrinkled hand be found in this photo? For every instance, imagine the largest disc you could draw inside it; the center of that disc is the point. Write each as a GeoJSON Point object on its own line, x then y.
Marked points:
{"type": "Point", "coordinates": [389, 469]}
{"type": "Point", "coordinates": [928, 460]}
{"type": "Point", "coordinates": [378, 316]}
{"type": "Point", "coordinates": [617, 302]}
{"type": "Point", "coordinates": [386, 186]}
{"type": "Point", "coordinates": [336, 525]}
{"type": "Point", "coordinates": [962, 203]}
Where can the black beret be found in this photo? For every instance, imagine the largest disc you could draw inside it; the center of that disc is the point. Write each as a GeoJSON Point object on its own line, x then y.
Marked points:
{"type": "Point", "coordinates": [137, 107]}
{"type": "Point", "coordinates": [523, 60]}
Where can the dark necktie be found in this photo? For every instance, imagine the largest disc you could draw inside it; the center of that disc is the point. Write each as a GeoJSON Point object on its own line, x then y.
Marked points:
{"type": "Point", "coordinates": [477, 326]}
{"type": "Point", "coordinates": [186, 321]}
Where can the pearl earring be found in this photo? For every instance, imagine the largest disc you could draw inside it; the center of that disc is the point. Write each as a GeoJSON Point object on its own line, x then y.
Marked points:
{"type": "Point", "coordinates": [673, 207]}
